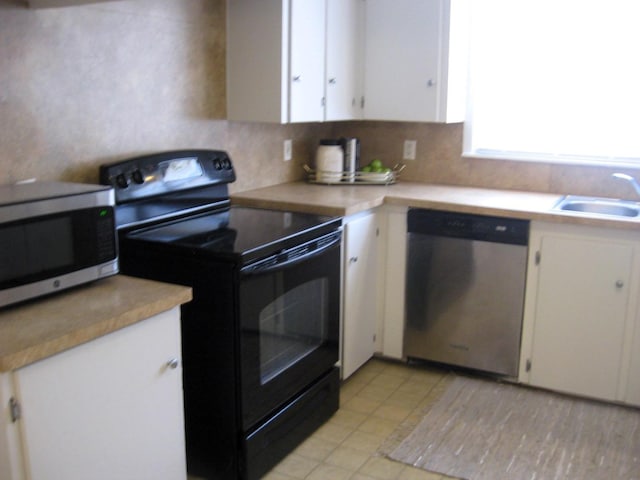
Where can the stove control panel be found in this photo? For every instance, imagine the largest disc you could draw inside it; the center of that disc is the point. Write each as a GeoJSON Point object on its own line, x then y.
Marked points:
{"type": "Point", "coordinates": [166, 172]}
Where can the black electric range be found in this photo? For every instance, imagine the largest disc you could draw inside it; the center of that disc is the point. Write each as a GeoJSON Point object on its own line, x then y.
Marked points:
{"type": "Point", "coordinates": [260, 337]}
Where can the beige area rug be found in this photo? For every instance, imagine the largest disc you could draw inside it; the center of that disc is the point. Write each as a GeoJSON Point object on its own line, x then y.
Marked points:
{"type": "Point", "coordinates": [480, 429]}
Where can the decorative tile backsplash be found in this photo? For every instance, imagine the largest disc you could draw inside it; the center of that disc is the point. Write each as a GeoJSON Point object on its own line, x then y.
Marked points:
{"type": "Point", "coordinates": [95, 83]}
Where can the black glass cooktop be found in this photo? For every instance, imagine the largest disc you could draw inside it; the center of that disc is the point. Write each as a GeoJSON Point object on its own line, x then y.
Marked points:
{"type": "Point", "coordinates": [236, 230]}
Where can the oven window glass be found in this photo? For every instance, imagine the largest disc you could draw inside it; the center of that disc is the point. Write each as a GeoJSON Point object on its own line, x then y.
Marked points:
{"type": "Point", "coordinates": [292, 326]}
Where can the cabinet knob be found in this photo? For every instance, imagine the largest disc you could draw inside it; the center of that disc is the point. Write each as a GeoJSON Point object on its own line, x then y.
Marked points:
{"type": "Point", "coordinates": [619, 284]}
{"type": "Point", "coordinates": [431, 82]}
{"type": "Point", "coordinates": [297, 78]}
{"type": "Point", "coordinates": [173, 363]}
{"type": "Point", "coordinates": [332, 81]}
{"type": "Point", "coordinates": [353, 259]}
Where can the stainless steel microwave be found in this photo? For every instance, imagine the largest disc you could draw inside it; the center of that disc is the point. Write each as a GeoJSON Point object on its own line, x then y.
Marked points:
{"type": "Point", "coordinates": [53, 236]}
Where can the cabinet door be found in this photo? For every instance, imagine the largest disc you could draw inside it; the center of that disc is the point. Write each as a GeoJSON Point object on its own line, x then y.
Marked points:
{"type": "Point", "coordinates": [580, 315]}
{"type": "Point", "coordinates": [308, 23]}
{"type": "Point", "coordinates": [632, 393]}
{"type": "Point", "coordinates": [11, 464]}
{"type": "Point", "coordinates": [402, 51]}
{"type": "Point", "coordinates": [108, 409]}
{"type": "Point", "coordinates": [344, 59]}
{"type": "Point", "coordinates": [360, 293]}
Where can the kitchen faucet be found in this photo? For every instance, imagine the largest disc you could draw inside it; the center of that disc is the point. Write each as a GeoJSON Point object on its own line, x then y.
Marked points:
{"type": "Point", "coordinates": [628, 178]}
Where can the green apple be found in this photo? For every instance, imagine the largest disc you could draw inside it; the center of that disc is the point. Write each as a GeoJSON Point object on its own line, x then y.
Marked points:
{"type": "Point", "coordinates": [376, 163]}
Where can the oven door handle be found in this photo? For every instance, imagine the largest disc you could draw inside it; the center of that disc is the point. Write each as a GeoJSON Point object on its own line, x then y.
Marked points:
{"type": "Point", "coordinates": [293, 256]}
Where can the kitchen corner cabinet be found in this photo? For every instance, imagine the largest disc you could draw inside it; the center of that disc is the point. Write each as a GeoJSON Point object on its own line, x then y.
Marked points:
{"type": "Point", "coordinates": [415, 66]}
{"type": "Point", "coordinates": [581, 329]}
{"type": "Point", "coordinates": [294, 61]}
{"type": "Point", "coordinates": [360, 290]}
{"type": "Point", "coordinates": [111, 408]}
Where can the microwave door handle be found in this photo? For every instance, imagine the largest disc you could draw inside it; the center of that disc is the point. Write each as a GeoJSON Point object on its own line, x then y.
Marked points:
{"type": "Point", "coordinates": [265, 266]}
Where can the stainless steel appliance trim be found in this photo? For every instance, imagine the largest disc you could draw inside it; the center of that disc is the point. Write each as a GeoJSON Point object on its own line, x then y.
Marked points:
{"type": "Point", "coordinates": [47, 206]}
{"type": "Point", "coordinates": [55, 284]}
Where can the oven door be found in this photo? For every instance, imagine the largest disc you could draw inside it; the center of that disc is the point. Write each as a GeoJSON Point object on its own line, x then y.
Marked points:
{"type": "Point", "coordinates": [289, 318]}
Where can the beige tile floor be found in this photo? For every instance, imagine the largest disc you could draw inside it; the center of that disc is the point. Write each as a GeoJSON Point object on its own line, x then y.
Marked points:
{"type": "Point", "coordinates": [374, 401]}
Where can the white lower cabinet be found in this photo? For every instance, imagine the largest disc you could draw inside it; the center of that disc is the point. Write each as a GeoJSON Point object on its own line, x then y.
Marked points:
{"type": "Point", "coordinates": [373, 292]}
{"type": "Point", "coordinates": [360, 292]}
{"type": "Point", "coordinates": [581, 315]}
{"type": "Point", "coordinates": [393, 280]}
{"type": "Point", "coordinates": [632, 392]}
{"type": "Point", "coordinates": [108, 409]}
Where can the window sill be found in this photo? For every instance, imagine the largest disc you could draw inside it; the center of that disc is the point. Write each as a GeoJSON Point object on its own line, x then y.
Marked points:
{"type": "Point", "coordinates": [555, 159]}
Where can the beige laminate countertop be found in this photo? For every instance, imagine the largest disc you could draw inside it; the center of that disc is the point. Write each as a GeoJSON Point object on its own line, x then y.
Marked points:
{"type": "Point", "coordinates": [343, 200]}
{"type": "Point", "coordinates": [41, 328]}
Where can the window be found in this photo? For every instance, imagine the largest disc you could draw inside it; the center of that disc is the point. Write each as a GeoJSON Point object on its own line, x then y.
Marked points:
{"type": "Point", "coordinates": [555, 80]}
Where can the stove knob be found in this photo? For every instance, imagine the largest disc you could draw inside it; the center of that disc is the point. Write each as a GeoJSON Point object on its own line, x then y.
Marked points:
{"type": "Point", "coordinates": [121, 180]}
{"type": "Point", "coordinates": [226, 163]}
{"type": "Point", "coordinates": [137, 177]}
{"type": "Point", "coordinates": [217, 164]}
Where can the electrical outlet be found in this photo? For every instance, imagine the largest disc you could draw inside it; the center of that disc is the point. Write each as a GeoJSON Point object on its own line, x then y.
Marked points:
{"type": "Point", "coordinates": [409, 151]}
{"type": "Point", "coordinates": [287, 150]}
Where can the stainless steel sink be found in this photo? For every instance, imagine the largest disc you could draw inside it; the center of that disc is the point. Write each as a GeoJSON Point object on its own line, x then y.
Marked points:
{"type": "Point", "coordinates": [598, 206]}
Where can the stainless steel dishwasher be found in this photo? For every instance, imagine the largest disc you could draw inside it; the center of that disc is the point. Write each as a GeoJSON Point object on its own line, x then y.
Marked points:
{"type": "Point", "coordinates": [465, 289]}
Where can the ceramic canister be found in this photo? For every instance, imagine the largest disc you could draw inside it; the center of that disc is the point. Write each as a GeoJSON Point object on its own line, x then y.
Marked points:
{"type": "Point", "coordinates": [329, 161]}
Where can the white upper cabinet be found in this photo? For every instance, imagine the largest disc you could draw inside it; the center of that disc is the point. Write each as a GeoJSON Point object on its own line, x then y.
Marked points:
{"type": "Point", "coordinates": [307, 50]}
{"type": "Point", "coordinates": [345, 50]}
{"type": "Point", "coordinates": [415, 65]}
{"type": "Point", "coordinates": [293, 61]}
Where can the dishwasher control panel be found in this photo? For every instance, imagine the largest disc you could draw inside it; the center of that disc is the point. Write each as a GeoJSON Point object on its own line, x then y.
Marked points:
{"type": "Point", "coordinates": [474, 227]}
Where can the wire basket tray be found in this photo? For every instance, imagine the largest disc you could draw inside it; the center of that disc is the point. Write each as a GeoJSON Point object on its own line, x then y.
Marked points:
{"type": "Point", "coordinates": [353, 178]}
